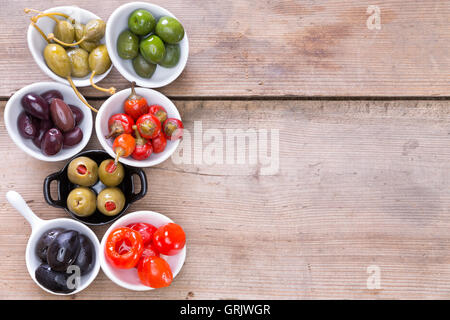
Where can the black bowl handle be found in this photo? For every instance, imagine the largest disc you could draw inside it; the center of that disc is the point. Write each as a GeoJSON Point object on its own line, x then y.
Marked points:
{"type": "Point", "coordinates": [55, 203]}
{"type": "Point", "coordinates": [143, 179]}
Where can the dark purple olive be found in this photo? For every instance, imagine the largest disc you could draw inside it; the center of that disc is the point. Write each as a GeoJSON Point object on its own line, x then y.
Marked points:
{"type": "Point", "coordinates": [73, 137]}
{"type": "Point", "coordinates": [44, 126]}
{"type": "Point", "coordinates": [52, 142]}
{"type": "Point", "coordinates": [26, 125]}
{"type": "Point", "coordinates": [53, 280]}
{"type": "Point", "coordinates": [44, 241]}
{"type": "Point", "coordinates": [77, 114]}
{"type": "Point", "coordinates": [35, 105]}
{"type": "Point", "coordinates": [61, 115]}
{"type": "Point", "coordinates": [50, 95]}
{"type": "Point", "coordinates": [86, 256]}
{"type": "Point", "coordinates": [63, 250]}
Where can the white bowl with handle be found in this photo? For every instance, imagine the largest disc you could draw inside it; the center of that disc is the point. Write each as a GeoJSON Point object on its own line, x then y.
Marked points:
{"type": "Point", "coordinates": [38, 227]}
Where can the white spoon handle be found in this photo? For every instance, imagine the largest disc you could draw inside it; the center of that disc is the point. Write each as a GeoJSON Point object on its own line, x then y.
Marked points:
{"type": "Point", "coordinates": [16, 200]}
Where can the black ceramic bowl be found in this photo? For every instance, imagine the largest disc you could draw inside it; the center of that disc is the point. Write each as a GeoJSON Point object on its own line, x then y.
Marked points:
{"type": "Point", "coordinates": [65, 186]}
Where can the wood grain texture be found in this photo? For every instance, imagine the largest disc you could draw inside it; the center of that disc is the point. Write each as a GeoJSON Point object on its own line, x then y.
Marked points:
{"type": "Point", "coordinates": [360, 183]}
{"type": "Point", "coordinates": [277, 48]}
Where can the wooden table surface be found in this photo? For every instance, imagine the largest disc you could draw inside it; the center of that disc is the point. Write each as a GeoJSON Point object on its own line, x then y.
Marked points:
{"type": "Point", "coordinates": [362, 186]}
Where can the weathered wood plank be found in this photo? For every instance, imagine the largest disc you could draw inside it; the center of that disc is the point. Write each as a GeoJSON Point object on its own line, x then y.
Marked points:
{"type": "Point", "coordinates": [360, 183]}
{"type": "Point", "coordinates": [278, 48]}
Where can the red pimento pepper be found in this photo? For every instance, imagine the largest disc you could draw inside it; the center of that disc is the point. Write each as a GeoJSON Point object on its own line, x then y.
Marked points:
{"type": "Point", "coordinates": [159, 143]}
{"type": "Point", "coordinates": [173, 129]}
{"type": "Point", "coordinates": [159, 112]}
{"type": "Point", "coordinates": [135, 105]}
{"type": "Point", "coordinates": [123, 146]}
{"type": "Point", "coordinates": [124, 247]}
{"type": "Point", "coordinates": [143, 148]}
{"type": "Point", "coordinates": [120, 123]}
{"type": "Point", "coordinates": [149, 126]}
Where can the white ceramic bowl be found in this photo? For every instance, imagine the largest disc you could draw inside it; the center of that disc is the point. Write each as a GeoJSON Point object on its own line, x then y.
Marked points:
{"type": "Point", "coordinates": [36, 42]}
{"type": "Point", "coordinates": [114, 105]}
{"type": "Point", "coordinates": [14, 108]}
{"type": "Point", "coordinates": [118, 22]}
{"type": "Point", "coordinates": [40, 226]}
{"type": "Point", "coordinates": [128, 278]}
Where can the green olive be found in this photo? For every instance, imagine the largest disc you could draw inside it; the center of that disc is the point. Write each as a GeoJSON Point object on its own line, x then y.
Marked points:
{"type": "Point", "coordinates": [94, 30]}
{"type": "Point", "coordinates": [57, 60]}
{"type": "Point", "coordinates": [111, 175]}
{"type": "Point", "coordinates": [83, 171]}
{"type": "Point", "coordinates": [110, 201]}
{"type": "Point", "coordinates": [79, 62]}
{"type": "Point", "coordinates": [143, 68]}
{"type": "Point", "coordinates": [171, 57]}
{"type": "Point", "coordinates": [89, 45]}
{"type": "Point", "coordinates": [127, 45]}
{"type": "Point", "coordinates": [152, 49]}
{"type": "Point", "coordinates": [99, 60]}
{"type": "Point", "coordinates": [64, 31]}
{"type": "Point", "coordinates": [141, 22]}
{"type": "Point", "coordinates": [169, 30]}
{"type": "Point", "coordinates": [79, 32]}
{"type": "Point", "coordinates": [82, 201]}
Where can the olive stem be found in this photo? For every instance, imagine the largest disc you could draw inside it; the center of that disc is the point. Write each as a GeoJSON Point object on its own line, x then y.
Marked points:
{"type": "Point", "coordinates": [119, 153]}
{"type": "Point", "coordinates": [51, 36]}
{"type": "Point", "coordinates": [49, 14]}
{"type": "Point", "coordinates": [111, 90]}
{"type": "Point", "coordinates": [79, 95]}
{"type": "Point", "coordinates": [27, 10]}
{"type": "Point", "coordinates": [40, 31]}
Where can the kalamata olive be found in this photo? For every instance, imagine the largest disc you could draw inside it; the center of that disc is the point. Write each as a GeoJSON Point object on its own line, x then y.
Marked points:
{"type": "Point", "coordinates": [77, 114]}
{"type": "Point", "coordinates": [61, 115]}
{"type": "Point", "coordinates": [50, 95]}
{"type": "Point", "coordinates": [35, 105]}
{"type": "Point", "coordinates": [44, 126]}
{"type": "Point", "coordinates": [53, 280]}
{"type": "Point", "coordinates": [86, 257]}
{"type": "Point", "coordinates": [44, 241]}
{"type": "Point", "coordinates": [72, 137]}
{"type": "Point", "coordinates": [63, 250]}
{"type": "Point", "coordinates": [52, 142]}
{"type": "Point", "coordinates": [26, 125]}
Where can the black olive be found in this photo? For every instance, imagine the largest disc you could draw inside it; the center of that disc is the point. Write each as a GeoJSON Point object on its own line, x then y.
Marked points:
{"type": "Point", "coordinates": [45, 240]}
{"type": "Point", "coordinates": [63, 251]}
{"type": "Point", "coordinates": [53, 280]}
{"type": "Point", "coordinates": [86, 257]}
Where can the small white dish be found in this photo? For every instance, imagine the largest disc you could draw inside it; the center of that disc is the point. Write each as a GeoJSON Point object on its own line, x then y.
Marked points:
{"type": "Point", "coordinates": [40, 226]}
{"type": "Point", "coordinates": [114, 105]}
{"type": "Point", "coordinates": [128, 278]}
{"type": "Point", "coordinates": [118, 22]}
{"type": "Point", "coordinates": [37, 44]}
{"type": "Point", "coordinates": [14, 108]}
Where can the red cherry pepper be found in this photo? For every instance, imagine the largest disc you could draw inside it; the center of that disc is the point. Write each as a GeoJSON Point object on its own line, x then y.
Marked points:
{"type": "Point", "coordinates": [123, 146]}
{"type": "Point", "coordinates": [149, 126]}
{"type": "Point", "coordinates": [143, 148]}
{"type": "Point", "coordinates": [118, 124]}
{"type": "Point", "coordinates": [123, 248]}
{"type": "Point", "coordinates": [135, 105]}
{"type": "Point", "coordinates": [145, 229]}
{"type": "Point", "coordinates": [159, 112]}
{"type": "Point", "coordinates": [173, 129]}
{"type": "Point", "coordinates": [159, 143]}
